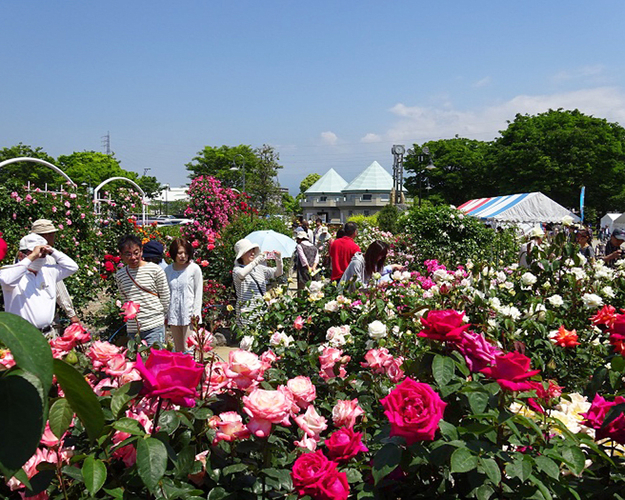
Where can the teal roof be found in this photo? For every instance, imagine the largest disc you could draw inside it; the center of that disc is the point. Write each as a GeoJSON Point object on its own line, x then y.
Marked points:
{"type": "Point", "coordinates": [331, 182]}
{"type": "Point", "coordinates": [373, 178]}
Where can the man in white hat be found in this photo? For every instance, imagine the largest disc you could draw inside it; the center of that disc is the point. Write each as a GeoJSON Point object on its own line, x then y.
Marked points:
{"type": "Point", "coordinates": [29, 287]}
{"type": "Point", "coordinates": [45, 228]}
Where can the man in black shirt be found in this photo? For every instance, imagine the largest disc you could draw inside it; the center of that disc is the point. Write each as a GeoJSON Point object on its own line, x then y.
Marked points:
{"type": "Point", "coordinates": [613, 247]}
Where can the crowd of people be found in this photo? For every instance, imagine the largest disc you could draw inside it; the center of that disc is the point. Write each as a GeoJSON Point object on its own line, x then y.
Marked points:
{"type": "Point", "coordinates": [170, 295]}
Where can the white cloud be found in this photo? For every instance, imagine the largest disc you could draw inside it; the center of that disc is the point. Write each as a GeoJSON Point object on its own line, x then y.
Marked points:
{"type": "Point", "coordinates": [584, 72]}
{"type": "Point", "coordinates": [484, 82]}
{"type": "Point", "coordinates": [329, 138]}
{"type": "Point", "coordinates": [371, 138]}
{"type": "Point", "coordinates": [419, 123]}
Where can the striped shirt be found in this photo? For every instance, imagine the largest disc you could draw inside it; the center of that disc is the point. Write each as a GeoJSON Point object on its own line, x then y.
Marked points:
{"type": "Point", "coordinates": [153, 306]}
{"type": "Point", "coordinates": [250, 287]}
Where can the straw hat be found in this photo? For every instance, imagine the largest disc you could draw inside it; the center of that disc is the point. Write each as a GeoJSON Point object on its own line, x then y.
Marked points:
{"type": "Point", "coordinates": [43, 226]}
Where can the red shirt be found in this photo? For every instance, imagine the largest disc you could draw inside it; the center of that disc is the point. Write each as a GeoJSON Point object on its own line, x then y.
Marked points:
{"type": "Point", "coordinates": [341, 253]}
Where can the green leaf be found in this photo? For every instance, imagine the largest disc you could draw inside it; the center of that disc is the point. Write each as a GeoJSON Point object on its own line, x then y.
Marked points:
{"type": "Point", "coordinates": [477, 401]}
{"type": "Point", "coordinates": [548, 466]}
{"type": "Point", "coordinates": [169, 421]}
{"type": "Point", "coordinates": [184, 460]}
{"type": "Point", "coordinates": [448, 430]}
{"type": "Point", "coordinates": [29, 347]}
{"type": "Point", "coordinates": [443, 369]}
{"type": "Point", "coordinates": [124, 394]}
{"type": "Point", "coordinates": [491, 469]}
{"type": "Point", "coordinates": [541, 487]}
{"type": "Point", "coordinates": [151, 461]}
{"type": "Point", "coordinates": [61, 415]}
{"type": "Point", "coordinates": [81, 397]}
{"type": "Point", "coordinates": [94, 474]}
{"type": "Point", "coordinates": [234, 468]}
{"type": "Point", "coordinates": [116, 494]}
{"type": "Point", "coordinates": [217, 494]}
{"type": "Point", "coordinates": [484, 492]}
{"type": "Point", "coordinates": [574, 459]}
{"type": "Point", "coordinates": [21, 419]}
{"type": "Point", "coordinates": [129, 426]}
{"type": "Point", "coordinates": [385, 461]}
{"type": "Point", "coordinates": [521, 468]}
{"type": "Point", "coordinates": [462, 460]}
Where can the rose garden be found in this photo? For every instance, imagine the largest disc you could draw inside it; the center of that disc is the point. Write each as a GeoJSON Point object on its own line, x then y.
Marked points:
{"type": "Point", "coordinates": [466, 376]}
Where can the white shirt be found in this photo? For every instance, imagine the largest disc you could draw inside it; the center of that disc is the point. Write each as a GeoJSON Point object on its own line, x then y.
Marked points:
{"type": "Point", "coordinates": [185, 292]}
{"type": "Point", "coordinates": [33, 296]}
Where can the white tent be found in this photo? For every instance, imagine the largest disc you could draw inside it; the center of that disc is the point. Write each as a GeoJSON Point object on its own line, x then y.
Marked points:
{"type": "Point", "coordinates": [612, 221]}
{"type": "Point", "coordinates": [524, 208]}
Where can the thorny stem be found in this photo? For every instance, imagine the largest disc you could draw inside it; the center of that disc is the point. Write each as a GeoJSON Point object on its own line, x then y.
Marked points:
{"type": "Point", "coordinates": [158, 413]}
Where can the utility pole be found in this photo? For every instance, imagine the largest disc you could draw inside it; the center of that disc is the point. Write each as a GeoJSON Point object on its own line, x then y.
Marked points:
{"type": "Point", "coordinates": [146, 170]}
{"type": "Point", "coordinates": [106, 143]}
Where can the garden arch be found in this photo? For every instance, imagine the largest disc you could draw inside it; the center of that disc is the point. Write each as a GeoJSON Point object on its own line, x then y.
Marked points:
{"type": "Point", "coordinates": [42, 162]}
{"type": "Point", "coordinates": [96, 200]}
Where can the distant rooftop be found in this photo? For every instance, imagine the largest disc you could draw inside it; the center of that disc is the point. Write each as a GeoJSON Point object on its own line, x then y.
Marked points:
{"type": "Point", "coordinates": [331, 182]}
{"type": "Point", "coordinates": [373, 178]}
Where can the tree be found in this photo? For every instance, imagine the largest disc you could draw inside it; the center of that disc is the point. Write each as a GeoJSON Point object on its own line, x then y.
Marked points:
{"type": "Point", "coordinates": [150, 185]}
{"type": "Point", "coordinates": [462, 171]}
{"type": "Point", "coordinates": [218, 162]}
{"type": "Point", "coordinates": [260, 166]}
{"type": "Point", "coordinates": [91, 168]}
{"type": "Point", "coordinates": [263, 186]}
{"type": "Point", "coordinates": [308, 181]}
{"type": "Point", "coordinates": [558, 152]}
{"type": "Point", "coordinates": [23, 172]}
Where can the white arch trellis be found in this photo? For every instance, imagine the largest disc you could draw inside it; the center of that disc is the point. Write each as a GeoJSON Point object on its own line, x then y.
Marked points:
{"type": "Point", "coordinates": [41, 162]}
{"type": "Point", "coordinates": [96, 200]}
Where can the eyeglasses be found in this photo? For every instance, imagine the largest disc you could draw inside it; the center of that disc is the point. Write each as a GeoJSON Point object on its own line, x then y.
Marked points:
{"type": "Point", "coordinates": [136, 253]}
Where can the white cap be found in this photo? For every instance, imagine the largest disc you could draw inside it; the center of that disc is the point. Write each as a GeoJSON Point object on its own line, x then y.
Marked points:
{"type": "Point", "coordinates": [32, 240]}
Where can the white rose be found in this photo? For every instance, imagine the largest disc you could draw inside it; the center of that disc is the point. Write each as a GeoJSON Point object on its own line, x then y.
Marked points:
{"type": "Point", "coordinates": [592, 301]}
{"type": "Point", "coordinates": [608, 291]}
{"type": "Point", "coordinates": [246, 343]}
{"type": "Point", "coordinates": [528, 279]}
{"type": "Point", "coordinates": [567, 220]}
{"type": "Point", "coordinates": [331, 306]}
{"type": "Point", "coordinates": [555, 300]}
{"type": "Point", "coordinates": [315, 286]}
{"type": "Point", "coordinates": [377, 330]}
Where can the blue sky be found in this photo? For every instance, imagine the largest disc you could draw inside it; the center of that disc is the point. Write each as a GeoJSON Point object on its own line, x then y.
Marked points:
{"type": "Point", "coordinates": [327, 83]}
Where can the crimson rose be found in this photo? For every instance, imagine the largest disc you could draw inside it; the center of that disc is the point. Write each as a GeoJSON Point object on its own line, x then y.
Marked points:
{"type": "Point", "coordinates": [170, 375]}
{"type": "Point", "coordinates": [511, 371]}
{"type": "Point", "coordinates": [345, 444]}
{"type": "Point", "coordinates": [595, 417]}
{"type": "Point", "coordinates": [414, 411]}
{"type": "Point", "coordinates": [443, 325]}
{"type": "Point", "coordinates": [309, 470]}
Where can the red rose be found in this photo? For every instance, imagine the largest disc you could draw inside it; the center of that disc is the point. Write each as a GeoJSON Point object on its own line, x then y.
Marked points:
{"type": "Point", "coordinates": [170, 375]}
{"type": "Point", "coordinates": [414, 411]}
{"type": "Point", "coordinates": [333, 486]}
{"type": "Point", "coordinates": [443, 325]}
{"type": "Point", "coordinates": [511, 371]}
{"type": "Point", "coordinates": [109, 266]}
{"type": "Point", "coordinates": [308, 471]}
{"type": "Point", "coordinates": [3, 248]}
{"type": "Point", "coordinates": [345, 444]}
{"type": "Point", "coordinates": [595, 417]}
{"type": "Point", "coordinates": [618, 324]}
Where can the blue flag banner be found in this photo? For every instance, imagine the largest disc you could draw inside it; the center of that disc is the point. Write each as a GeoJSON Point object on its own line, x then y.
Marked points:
{"type": "Point", "coordinates": [581, 202]}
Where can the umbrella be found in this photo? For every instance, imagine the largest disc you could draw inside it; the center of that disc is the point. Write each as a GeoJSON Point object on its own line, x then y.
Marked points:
{"type": "Point", "coordinates": [271, 241]}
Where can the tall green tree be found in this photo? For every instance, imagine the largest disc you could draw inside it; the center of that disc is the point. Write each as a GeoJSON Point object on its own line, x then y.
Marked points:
{"type": "Point", "coordinates": [218, 162]}
{"type": "Point", "coordinates": [308, 181]}
{"type": "Point", "coordinates": [454, 171]}
{"type": "Point", "coordinates": [263, 186]}
{"type": "Point", "coordinates": [560, 151]}
{"type": "Point", "coordinates": [261, 169]}
{"type": "Point", "coordinates": [23, 172]}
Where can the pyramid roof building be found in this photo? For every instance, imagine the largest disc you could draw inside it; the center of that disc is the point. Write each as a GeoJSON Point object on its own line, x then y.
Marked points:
{"type": "Point", "coordinates": [373, 178]}
{"type": "Point", "coordinates": [331, 182]}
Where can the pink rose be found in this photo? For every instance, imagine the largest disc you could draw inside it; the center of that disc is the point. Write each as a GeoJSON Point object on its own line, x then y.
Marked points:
{"type": "Point", "coordinates": [244, 368]}
{"type": "Point", "coordinates": [328, 359]}
{"type": "Point", "coordinates": [311, 422]}
{"type": "Point", "coordinates": [266, 408]}
{"type": "Point", "coordinates": [333, 486]}
{"type": "Point", "coordinates": [511, 371]}
{"type": "Point", "coordinates": [216, 378]}
{"type": "Point", "coordinates": [345, 444]}
{"type": "Point", "coordinates": [303, 390]}
{"type": "Point", "coordinates": [130, 310]}
{"type": "Point", "coordinates": [229, 427]}
{"type": "Point", "coordinates": [306, 443]}
{"type": "Point", "coordinates": [596, 414]}
{"type": "Point", "coordinates": [345, 413]}
{"type": "Point", "coordinates": [298, 324]}
{"type": "Point", "coordinates": [414, 411]}
{"type": "Point", "coordinates": [77, 332]}
{"type": "Point", "coordinates": [118, 365]}
{"type": "Point", "coordinates": [477, 351]}
{"type": "Point", "coordinates": [100, 352]}
{"type": "Point", "coordinates": [170, 375]}
{"type": "Point", "coordinates": [443, 325]}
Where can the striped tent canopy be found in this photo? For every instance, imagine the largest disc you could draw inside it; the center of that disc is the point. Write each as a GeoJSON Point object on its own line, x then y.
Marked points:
{"type": "Point", "coordinates": [520, 208]}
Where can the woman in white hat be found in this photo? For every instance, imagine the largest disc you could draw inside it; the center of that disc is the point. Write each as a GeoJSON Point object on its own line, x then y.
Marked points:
{"type": "Point", "coordinates": [250, 277]}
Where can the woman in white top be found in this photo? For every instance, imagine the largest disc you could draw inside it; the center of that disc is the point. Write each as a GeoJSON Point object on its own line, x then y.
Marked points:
{"type": "Point", "coordinates": [250, 277]}
{"type": "Point", "coordinates": [362, 267]}
{"type": "Point", "coordinates": [186, 287]}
